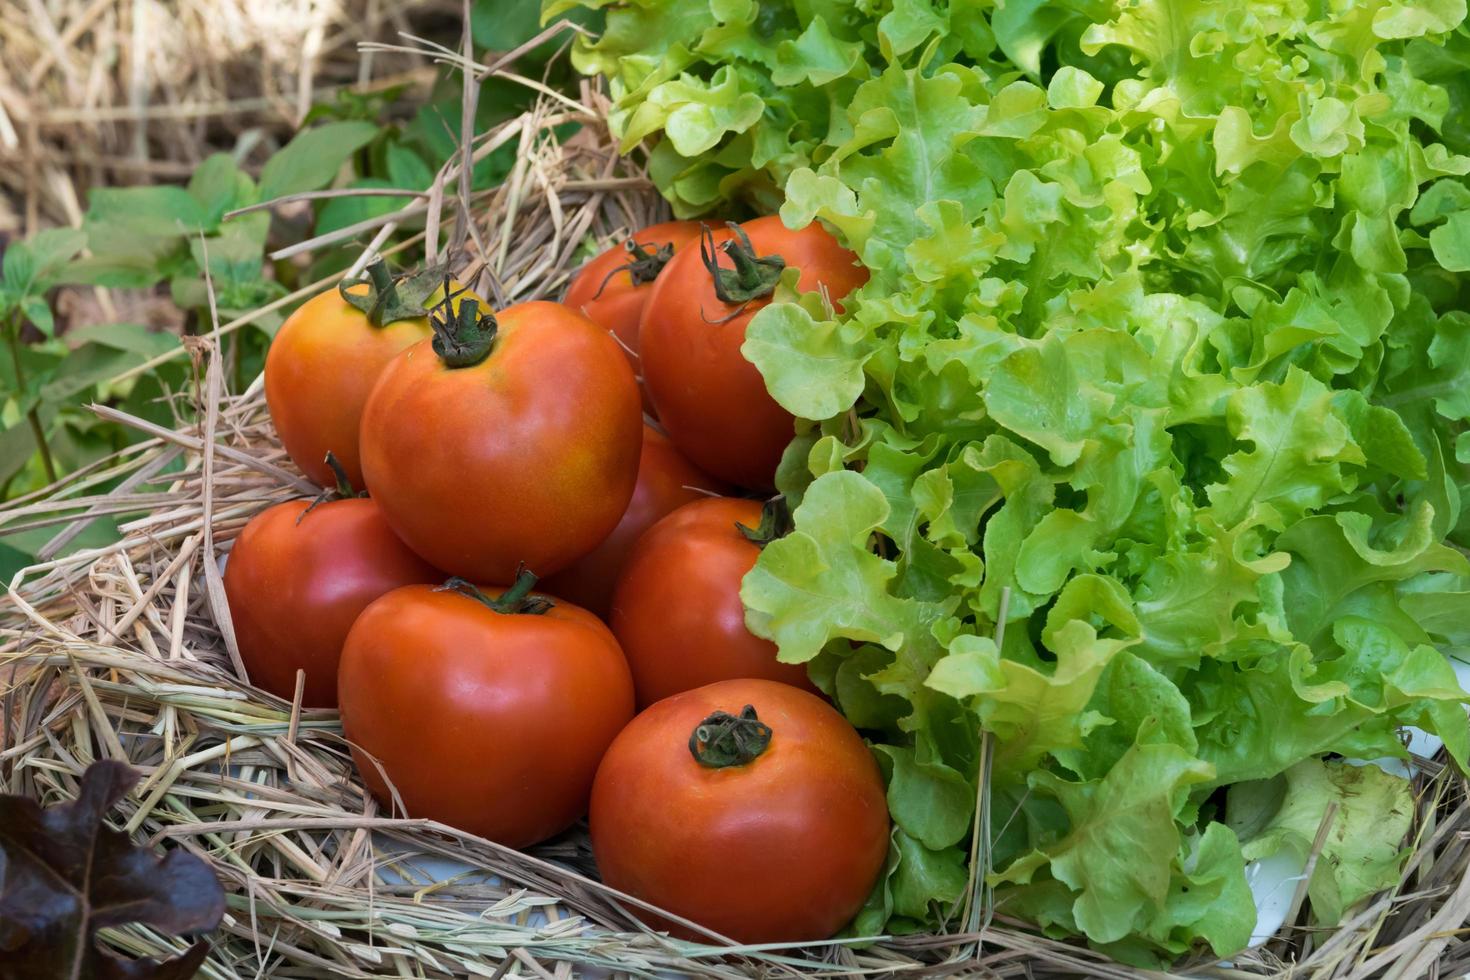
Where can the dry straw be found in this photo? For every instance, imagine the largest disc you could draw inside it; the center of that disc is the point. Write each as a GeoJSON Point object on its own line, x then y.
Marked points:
{"type": "Point", "coordinates": [95, 93]}
{"type": "Point", "coordinates": [122, 652]}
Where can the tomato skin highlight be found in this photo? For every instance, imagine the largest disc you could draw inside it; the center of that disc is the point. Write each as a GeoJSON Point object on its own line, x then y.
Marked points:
{"type": "Point", "coordinates": [528, 457]}
{"type": "Point", "coordinates": [676, 609]}
{"type": "Point", "coordinates": [319, 370]}
{"type": "Point", "coordinates": [618, 305]}
{"type": "Point", "coordinates": [666, 481]}
{"type": "Point", "coordinates": [296, 584]}
{"type": "Point", "coordinates": [489, 722]}
{"type": "Point", "coordinates": [710, 399]}
{"type": "Point", "coordinates": [783, 848]}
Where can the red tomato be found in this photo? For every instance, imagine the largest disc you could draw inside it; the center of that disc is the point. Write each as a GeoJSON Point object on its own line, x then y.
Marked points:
{"type": "Point", "coordinates": [782, 842]}
{"type": "Point", "coordinates": [321, 366]}
{"type": "Point", "coordinates": [710, 399]}
{"type": "Point", "coordinates": [489, 721]}
{"type": "Point", "coordinates": [676, 609]}
{"type": "Point", "coordinates": [611, 289]}
{"type": "Point", "coordinates": [666, 481]}
{"type": "Point", "coordinates": [527, 455]}
{"type": "Point", "coordinates": [296, 583]}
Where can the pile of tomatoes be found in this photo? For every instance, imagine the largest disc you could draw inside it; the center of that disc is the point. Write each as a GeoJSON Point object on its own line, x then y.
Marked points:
{"type": "Point", "coordinates": [472, 452]}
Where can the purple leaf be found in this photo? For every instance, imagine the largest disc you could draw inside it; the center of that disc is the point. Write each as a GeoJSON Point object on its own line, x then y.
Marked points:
{"type": "Point", "coordinates": [64, 874]}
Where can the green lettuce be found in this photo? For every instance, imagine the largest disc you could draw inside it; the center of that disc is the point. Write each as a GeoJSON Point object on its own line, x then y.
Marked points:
{"type": "Point", "coordinates": [1362, 850]}
{"type": "Point", "coordinates": [1166, 352]}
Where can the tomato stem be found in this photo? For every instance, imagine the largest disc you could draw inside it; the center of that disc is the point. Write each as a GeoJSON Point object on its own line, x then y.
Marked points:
{"type": "Point", "coordinates": [463, 337]}
{"type": "Point", "coordinates": [382, 280]}
{"type": "Point", "coordinates": [345, 488]}
{"type": "Point", "coordinates": [513, 601]}
{"type": "Point", "coordinates": [723, 740]}
{"type": "Point", "coordinates": [643, 266]}
{"type": "Point", "coordinates": [754, 275]}
{"type": "Point", "coordinates": [342, 491]}
{"type": "Point", "coordinates": [775, 522]}
{"type": "Point", "coordinates": [390, 298]}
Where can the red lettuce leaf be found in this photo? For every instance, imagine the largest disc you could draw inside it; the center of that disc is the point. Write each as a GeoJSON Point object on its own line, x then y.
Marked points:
{"type": "Point", "coordinates": [64, 874]}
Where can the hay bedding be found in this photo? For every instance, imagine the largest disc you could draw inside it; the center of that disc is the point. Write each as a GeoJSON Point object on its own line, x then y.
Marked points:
{"type": "Point", "coordinates": [97, 93]}
{"type": "Point", "coordinates": [125, 652]}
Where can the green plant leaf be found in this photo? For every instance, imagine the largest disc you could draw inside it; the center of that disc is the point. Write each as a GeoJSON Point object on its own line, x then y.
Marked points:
{"type": "Point", "coordinates": [84, 368]}
{"type": "Point", "coordinates": [341, 212]}
{"type": "Point", "coordinates": [37, 311]}
{"type": "Point", "coordinates": [1034, 712]}
{"type": "Point", "coordinates": [1119, 857]}
{"type": "Point", "coordinates": [1363, 851]}
{"type": "Point", "coordinates": [407, 169]}
{"type": "Point", "coordinates": [135, 338]}
{"type": "Point", "coordinates": [1451, 242]}
{"type": "Point", "coordinates": [115, 214]}
{"type": "Point", "coordinates": [18, 444]}
{"type": "Point", "coordinates": [809, 368]}
{"type": "Point", "coordinates": [312, 159]}
{"type": "Point", "coordinates": [929, 800]}
{"type": "Point", "coordinates": [32, 267]}
{"type": "Point", "coordinates": [1298, 443]}
{"type": "Point", "coordinates": [219, 185]}
{"type": "Point", "coordinates": [824, 564]}
{"type": "Point", "coordinates": [924, 877]}
{"type": "Point", "coordinates": [694, 113]}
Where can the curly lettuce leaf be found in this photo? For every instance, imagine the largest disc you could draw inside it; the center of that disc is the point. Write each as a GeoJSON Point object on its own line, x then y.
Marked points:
{"type": "Point", "coordinates": [1364, 849]}
{"type": "Point", "coordinates": [1125, 865]}
{"type": "Point", "coordinates": [1164, 352]}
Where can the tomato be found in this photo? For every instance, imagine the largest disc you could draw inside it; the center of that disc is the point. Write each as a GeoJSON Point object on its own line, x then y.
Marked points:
{"type": "Point", "coordinates": [777, 835]}
{"type": "Point", "coordinates": [296, 581]}
{"type": "Point", "coordinates": [521, 446]}
{"type": "Point", "coordinates": [676, 609]}
{"type": "Point", "coordinates": [611, 289]}
{"type": "Point", "coordinates": [324, 360]}
{"type": "Point", "coordinates": [711, 400]}
{"type": "Point", "coordinates": [666, 481]}
{"type": "Point", "coordinates": [489, 715]}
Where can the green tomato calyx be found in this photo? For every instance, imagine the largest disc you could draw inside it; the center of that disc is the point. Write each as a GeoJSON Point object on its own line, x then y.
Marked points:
{"type": "Point", "coordinates": [775, 522]}
{"type": "Point", "coordinates": [391, 298]}
{"type": "Point", "coordinates": [753, 276]}
{"type": "Point", "coordinates": [463, 337]}
{"type": "Point", "coordinates": [644, 263]}
{"type": "Point", "coordinates": [723, 740]}
{"type": "Point", "coordinates": [516, 600]}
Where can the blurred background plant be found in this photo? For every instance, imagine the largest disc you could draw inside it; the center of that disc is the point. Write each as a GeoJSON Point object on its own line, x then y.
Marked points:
{"type": "Point", "coordinates": [132, 135]}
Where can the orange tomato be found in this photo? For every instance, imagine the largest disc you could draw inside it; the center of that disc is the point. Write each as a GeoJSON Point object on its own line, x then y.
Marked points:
{"type": "Point", "coordinates": [489, 714]}
{"type": "Point", "coordinates": [712, 401]}
{"type": "Point", "coordinates": [749, 807]}
{"type": "Point", "coordinates": [296, 582]}
{"type": "Point", "coordinates": [323, 363]}
{"type": "Point", "coordinates": [611, 289]}
{"type": "Point", "coordinates": [676, 609]}
{"type": "Point", "coordinates": [666, 481]}
{"type": "Point", "coordinates": [511, 440]}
